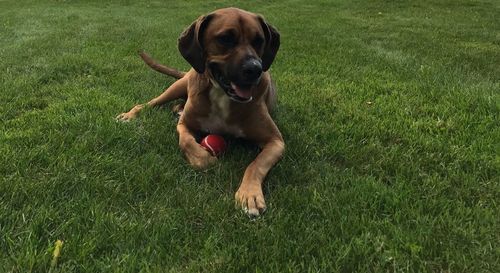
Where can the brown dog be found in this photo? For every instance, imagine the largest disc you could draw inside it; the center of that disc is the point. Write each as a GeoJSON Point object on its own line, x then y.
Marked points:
{"type": "Point", "coordinates": [229, 91]}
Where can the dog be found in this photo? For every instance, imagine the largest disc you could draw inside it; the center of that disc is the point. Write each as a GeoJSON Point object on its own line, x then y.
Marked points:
{"type": "Point", "coordinates": [228, 91]}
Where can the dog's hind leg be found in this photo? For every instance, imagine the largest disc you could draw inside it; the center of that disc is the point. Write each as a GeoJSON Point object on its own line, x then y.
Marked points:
{"type": "Point", "coordinates": [176, 91]}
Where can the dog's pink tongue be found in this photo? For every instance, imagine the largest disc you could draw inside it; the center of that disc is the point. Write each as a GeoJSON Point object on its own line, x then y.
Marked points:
{"type": "Point", "coordinates": [245, 93]}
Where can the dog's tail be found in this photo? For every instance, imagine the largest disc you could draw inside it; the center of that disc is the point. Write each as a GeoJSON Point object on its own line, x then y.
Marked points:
{"type": "Point", "coordinates": [159, 67]}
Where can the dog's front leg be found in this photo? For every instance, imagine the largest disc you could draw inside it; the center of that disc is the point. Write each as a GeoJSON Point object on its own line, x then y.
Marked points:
{"type": "Point", "coordinates": [196, 155]}
{"type": "Point", "coordinates": [250, 195]}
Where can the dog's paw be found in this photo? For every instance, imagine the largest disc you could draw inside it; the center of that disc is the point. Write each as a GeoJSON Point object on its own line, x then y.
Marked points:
{"type": "Point", "coordinates": [200, 158]}
{"type": "Point", "coordinates": [130, 115]}
{"type": "Point", "coordinates": [125, 117]}
{"type": "Point", "coordinates": [251, 199]}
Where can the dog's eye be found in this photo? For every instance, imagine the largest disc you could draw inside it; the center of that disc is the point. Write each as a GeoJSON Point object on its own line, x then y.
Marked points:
{"type": "Point", "coordinates": [257, 42]}
{"type": "Point", "coordinates": [226, 40]}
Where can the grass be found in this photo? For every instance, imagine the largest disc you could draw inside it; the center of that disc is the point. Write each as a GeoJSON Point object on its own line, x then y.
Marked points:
{"type": "Point", "coordinates": [390, 112]}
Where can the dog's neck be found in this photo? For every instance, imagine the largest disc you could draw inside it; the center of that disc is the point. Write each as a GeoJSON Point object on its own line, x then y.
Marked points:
{"type": "Point", "coordinates": [219, 102]}
{"type": "Point", "coordinates": [220, 108]}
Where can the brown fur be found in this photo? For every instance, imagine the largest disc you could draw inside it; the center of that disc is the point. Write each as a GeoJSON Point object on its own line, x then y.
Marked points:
{"type": "Point", "coordinates": [199, 45]}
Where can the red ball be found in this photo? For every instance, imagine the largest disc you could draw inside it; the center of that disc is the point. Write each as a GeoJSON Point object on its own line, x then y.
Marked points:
{"type": "Point", "coordinates": [214, 144]}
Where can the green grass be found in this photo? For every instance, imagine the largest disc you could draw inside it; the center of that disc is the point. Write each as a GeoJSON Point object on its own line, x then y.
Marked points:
{"type": "Point", "coordinates": [390, 112]}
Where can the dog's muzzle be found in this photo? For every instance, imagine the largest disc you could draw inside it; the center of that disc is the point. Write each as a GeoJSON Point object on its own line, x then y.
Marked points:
{"type": "Point", "coordinates": [239, 89]}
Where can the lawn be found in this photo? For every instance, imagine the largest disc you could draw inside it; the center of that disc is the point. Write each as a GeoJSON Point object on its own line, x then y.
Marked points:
{"type": "Point", "coordinates": [389, 109]}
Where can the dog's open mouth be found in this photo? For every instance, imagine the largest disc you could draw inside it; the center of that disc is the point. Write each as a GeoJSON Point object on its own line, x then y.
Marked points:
{"type": "Point", "coordinates": [237, 92]}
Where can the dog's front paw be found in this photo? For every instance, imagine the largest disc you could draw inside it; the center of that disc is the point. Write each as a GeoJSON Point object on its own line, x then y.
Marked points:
{"type": "Point", "coordinates": [251, 199]}
{"type": "Point", "coordinates": [199, 158]}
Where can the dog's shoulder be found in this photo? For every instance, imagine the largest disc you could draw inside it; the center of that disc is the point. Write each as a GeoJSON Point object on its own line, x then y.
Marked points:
{"type": "Point", "coordinates": [197, 83]}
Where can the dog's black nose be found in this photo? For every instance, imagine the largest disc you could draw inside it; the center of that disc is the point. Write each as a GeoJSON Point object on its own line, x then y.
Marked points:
{"type": "Point", "coordinates": [252, 69]}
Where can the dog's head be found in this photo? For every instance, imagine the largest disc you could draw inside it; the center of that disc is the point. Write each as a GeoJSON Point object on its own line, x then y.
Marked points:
{"type": "Point", "coordinates": [234, 46]}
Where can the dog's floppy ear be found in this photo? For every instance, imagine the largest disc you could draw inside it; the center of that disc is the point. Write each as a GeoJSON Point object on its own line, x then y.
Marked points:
{"type": "Point", "coordinates": [272, 43]}
{"type": "Point", "coordinates": [190, 43]}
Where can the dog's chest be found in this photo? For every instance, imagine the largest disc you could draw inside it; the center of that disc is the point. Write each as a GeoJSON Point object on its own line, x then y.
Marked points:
{"type": "Point", "coordinates": [217, 120]}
